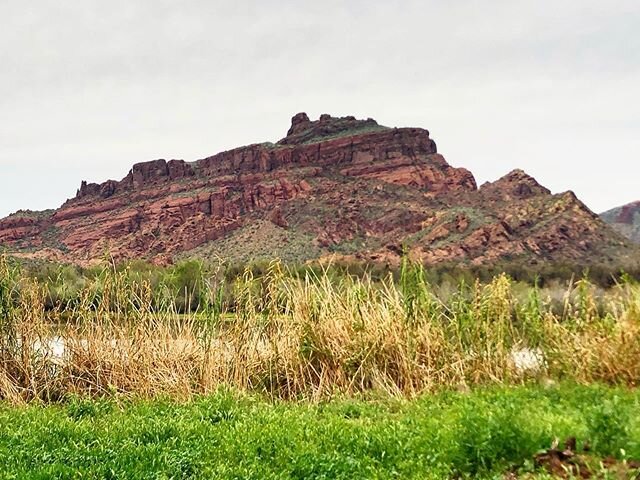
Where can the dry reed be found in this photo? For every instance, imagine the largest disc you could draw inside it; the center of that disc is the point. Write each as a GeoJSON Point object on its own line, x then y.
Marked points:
{"type": "Point", "coordinates": [309, 336]}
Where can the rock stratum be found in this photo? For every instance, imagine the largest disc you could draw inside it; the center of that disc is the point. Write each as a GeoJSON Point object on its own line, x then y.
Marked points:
{"type": "Point", "coordinates": [334, 186]}
{"type": "Point", "coordinates": [625, 219]}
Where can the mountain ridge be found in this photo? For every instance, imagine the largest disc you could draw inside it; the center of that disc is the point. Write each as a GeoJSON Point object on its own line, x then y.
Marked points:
{"type": "Point", "coordinates": [625, 220]}
{"type": "Point", "coordinates": [333, 186]}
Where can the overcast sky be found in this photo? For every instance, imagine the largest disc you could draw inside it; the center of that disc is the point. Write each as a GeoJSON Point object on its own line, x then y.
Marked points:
{"type": "Point", "coordinates": [89, 87]}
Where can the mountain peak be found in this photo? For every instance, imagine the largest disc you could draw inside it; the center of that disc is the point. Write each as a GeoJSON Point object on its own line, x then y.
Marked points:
{"type": "Point", "coordinates": [515, 184]}
{"type": "Point", "coordinates": [303, 130]}
{"type": "Point", "coordinates": [333, 186]}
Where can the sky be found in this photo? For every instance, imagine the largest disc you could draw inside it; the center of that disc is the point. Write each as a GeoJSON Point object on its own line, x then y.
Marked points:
{"type": "Point", "coordinates": [88, 87]}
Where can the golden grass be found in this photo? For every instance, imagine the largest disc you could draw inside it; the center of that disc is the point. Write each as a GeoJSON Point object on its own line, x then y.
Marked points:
{"type": "Point", "coordinates": [309, 337]}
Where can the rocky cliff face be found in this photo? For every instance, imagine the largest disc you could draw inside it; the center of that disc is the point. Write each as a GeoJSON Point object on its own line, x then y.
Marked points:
{"type": "Point", "coordinates": [626, 220]}
{"type": "Point", "coordinates": [331, 186]}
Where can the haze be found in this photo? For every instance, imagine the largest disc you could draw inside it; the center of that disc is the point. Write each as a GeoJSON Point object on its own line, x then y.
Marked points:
{"type": "Point", "coordinates": [89, 88]}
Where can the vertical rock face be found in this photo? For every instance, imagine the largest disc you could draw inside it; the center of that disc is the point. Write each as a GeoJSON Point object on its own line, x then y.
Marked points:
{"type": "Point", "coordinates": [334, 186]}
{"type": "Point", "coordinates": [157, 170]}
{"type": "Point", "coordinates": [299, 123]}
{"type": "Point", "coordinates": [141, 175]}
{"type": "Point", "coordinates": [626, 220]}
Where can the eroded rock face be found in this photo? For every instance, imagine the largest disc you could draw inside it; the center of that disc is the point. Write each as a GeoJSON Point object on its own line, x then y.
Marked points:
{"type": "Point", "coordinates": [305, 131]}
{"type": "Point", "coordinates": [16, 228]}
{"type": "Point", "coordinates": [517, 184]}
{"type": "Point", "coordinates": [626, 220]}
{"type": "Point", "coordinates": [299, 123]}
{"type": "Point", "coordinates": [338, 185]}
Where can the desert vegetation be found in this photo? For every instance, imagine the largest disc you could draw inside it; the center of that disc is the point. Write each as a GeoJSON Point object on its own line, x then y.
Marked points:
{"type": "Point", "coordinates": [304, 335]}
{"type": "Point", "coordinates": [272, 371]}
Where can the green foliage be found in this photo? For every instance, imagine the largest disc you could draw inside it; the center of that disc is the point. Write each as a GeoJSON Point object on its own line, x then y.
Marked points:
{"type": "Point", "coordinates": [609, 418]}
{"type": "Point", "coordinates": [191, 284]}
{"type": "Point", "coordinates": [187, 282]}
{"type": "Point", "coordinates": [415, 291]}
{"type": "Point", "coordinates": [9, 286]}
{"type": "Point", "coordinates": [451, 435]}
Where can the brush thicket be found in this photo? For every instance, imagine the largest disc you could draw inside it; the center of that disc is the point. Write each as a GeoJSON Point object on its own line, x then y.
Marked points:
{"type": "Point", "coordinates": [307, 336]}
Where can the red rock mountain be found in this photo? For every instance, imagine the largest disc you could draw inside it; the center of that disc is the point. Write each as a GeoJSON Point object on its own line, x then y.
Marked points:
{"type": "Point", "coordinates": [625, 219]}
{"type": "Point", "coordinates": [332, 186]}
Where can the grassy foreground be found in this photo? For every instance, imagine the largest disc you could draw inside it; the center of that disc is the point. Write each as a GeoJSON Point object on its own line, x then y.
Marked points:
{"type": "Point", "coordinates": [482, 434]}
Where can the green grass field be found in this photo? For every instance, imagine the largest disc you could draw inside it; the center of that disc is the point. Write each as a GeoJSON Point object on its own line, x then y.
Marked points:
{"type": "Point", "coordinates": [482, 434]}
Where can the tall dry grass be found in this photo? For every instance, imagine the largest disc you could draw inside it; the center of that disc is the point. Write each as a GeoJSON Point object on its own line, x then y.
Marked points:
{"type": "Point", "coordinates": [310, 336]}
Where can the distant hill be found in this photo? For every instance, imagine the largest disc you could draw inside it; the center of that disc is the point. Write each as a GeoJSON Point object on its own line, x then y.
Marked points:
{"type": "Point", "coordinates": [625, 219]}
{"type": "Point", "coordinates": [332, 187]}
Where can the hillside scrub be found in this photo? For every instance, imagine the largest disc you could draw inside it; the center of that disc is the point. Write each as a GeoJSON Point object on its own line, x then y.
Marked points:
{"type": "Point", "coordinates": [292, 335]}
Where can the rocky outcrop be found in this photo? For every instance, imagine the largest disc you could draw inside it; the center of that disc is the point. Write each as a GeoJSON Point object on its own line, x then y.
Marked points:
{"type": "Point", "coordinates": [430, 173]}
{"type": "Point", "coordinates": [517, 184]}
{"type": "Point", "coordinates": [16, 227]}
{"type": "Point", "coordinates": [299, 123]}
{"type": "Point", "coordinates": [337, 186]}
{"type": "Point", "coordinates": [305, 131]}
{"type": "Point", "coordinates": [140, 176]}
{"type": "Point", "coordinates": [626, 220]}
{"type": "Point", "coordinates": [157, 171]}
